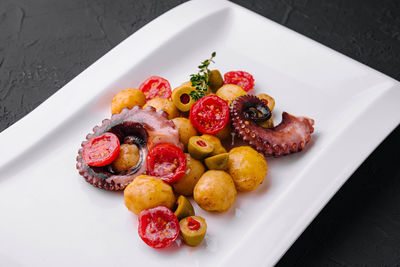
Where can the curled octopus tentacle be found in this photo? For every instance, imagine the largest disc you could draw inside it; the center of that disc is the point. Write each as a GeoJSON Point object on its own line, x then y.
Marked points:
{"type": "Point", "coordinates": [142, 127]}
{"type": "Point", "coordinates": [290, 136]}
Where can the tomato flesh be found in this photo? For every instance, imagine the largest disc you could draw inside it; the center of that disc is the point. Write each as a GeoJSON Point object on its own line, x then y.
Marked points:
{"type": "Point", "coordinates": [101, 150]}
{"type": "Point", "coordinates": [158, 227]}
{"type": "Point", "coordinates": [193, 224]}
{"type": "Point", "coordinates": [210, 114]}
{"type": "Point", "coordinates": [166, 161]}
{"type": "Point", "coordinates": [156, 86]}
{"type": "Point", "coordinates": [241, 78]}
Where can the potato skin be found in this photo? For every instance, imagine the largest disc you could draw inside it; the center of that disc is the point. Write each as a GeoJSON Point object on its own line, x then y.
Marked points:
{"type": "Point", "coordinates": [215, 191]}
{"type": "Point", "coordinates": [194, 170]}
{"type": "Point", "coordinates": [147, 192]}
{"type": "Point", "coordinates": [185, 128]}
{"type": "Point", "coordinates": [127, 98]}
{"type": "Point", "coordinates": [163, 104]}
{"type": "Point", "coordinates": [247, 167]}
{"type": "Point", "coordinates": [128, 157]}
{"type": "Point", "coordinates": [229, 92]}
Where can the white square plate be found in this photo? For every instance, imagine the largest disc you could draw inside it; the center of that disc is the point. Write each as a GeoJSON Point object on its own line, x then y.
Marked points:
{"type": "Point", "coordinates": [51, 217]}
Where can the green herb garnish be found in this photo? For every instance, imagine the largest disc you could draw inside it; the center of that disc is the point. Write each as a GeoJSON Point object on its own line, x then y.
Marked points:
{"type": "Point", "coordinates": [200, 80]}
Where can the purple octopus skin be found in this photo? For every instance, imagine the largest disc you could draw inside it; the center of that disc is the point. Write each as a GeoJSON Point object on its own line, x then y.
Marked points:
{"type": "Point", "coordinates": [144, 127]}
{"type": "Point", "coordinates": [290, 136]}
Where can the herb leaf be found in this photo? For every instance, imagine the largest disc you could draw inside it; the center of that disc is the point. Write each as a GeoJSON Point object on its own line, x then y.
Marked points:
{"type": "Point", "coordinates": [200, 80]}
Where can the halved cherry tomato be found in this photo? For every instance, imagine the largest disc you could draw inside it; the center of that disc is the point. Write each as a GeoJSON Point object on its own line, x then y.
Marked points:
{"type": "Point", "coordinates": [101, 150]}
{"type": "Point", "coordinates": [241, 78]}
{"type": "Point", "coordinates": [156, 87]}
{"type": "Point", "coordinates": [210, 114]}
{"type": "Point", "coordinates": [158, 227]}
{"type": "Point", "coordinates": [167, 162]}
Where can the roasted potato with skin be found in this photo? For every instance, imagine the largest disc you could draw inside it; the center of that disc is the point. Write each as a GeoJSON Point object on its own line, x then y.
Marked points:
{"type": "Point", "coordinates": [215, 191]}
{"type": "Point", "coordinates": [147, 192]}
{"type": "Point", "coordinates": [128, 157]}
{"type": "Point", "coordinates": [163, 104]}
{"type": "Point", "coordinates": [185, 128]}
{"type": "Point", "coordinates": [194, 170]}
{"type": "Point", "coordinates": [127, 98]}
{"type": "Point", "coordinates": [230, 92]}
{"type": "Point", "coordinates": [247, 167]}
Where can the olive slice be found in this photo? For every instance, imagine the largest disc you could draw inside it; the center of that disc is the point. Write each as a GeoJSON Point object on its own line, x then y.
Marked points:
{"type": "Point", "coordinates": [215, 80]}
{"type": "Point", "coordinates": [181, 97]}
{"type": "Point", "coordinates": [217, 162]}
{"type": "Point", "coordinates": [199, 148]}
{"type": "Point", "coordinates": [218, 148]}
{"type": "Point", "coordinates": [184, 208]}
{"type": "Point", "coordinates": [193, 230]}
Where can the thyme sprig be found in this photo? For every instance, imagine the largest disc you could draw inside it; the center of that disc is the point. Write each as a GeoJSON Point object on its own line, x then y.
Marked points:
{"type": "Point", "coordinates": [200, 80]}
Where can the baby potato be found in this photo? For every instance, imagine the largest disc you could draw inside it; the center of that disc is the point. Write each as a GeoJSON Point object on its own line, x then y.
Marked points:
{"type": "Point", "coordinates": [215, 191]}
{"type": "Point", "coordinates": [194, 170]}
{"type": "Point", "coordinates": [247, 167]}
{"type": "Point", "coordinates": [128, 157]}
{"type": "Point", "coordinates": [147, 192]}
{"type": "Point", "coordinates": [229, 92]}
{"type": "Point", "coordinates": [163, 104]}
{"type": "Point", "coordinates": [127, 98]}
{"type": "Point", "coordinates": [185, 128]}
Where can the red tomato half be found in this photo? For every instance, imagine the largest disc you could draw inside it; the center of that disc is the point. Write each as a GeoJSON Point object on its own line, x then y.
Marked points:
{"type": "Point", "coordinates": [210, 114]}
{"type": "Point", "coordinates": [101, 150]}
{"type": "Point", "coordinates": [156, 87]}
{"type": "Point", "coordinates": [167, 162]}
{"type": "Point", "coordinates": [241, 78]}
{"type": "Point", "coordinates": [158, 227]}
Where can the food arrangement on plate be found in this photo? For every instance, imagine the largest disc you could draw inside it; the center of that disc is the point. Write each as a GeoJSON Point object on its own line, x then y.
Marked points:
{"type": "Point", "coordinates": [206, 139]}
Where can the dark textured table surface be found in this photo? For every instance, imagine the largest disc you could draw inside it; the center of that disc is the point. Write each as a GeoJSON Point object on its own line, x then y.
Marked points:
{"type": "Point", "coordinates": [46, 43]}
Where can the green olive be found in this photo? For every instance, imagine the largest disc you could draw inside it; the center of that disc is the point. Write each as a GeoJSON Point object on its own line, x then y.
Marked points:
{"type": "Point", "coordinates": [218, 148]}
{"type": "Point", "coordinates": [199, 148]}
{"type": "Point", "coordinates": [184, 208]}
{"type": "Point", "coordinates": [181, 97]}
{"type": "Point", "coordinates": [193, 230]}
{"type": "Point", "coordinates": [218, 162]}
{"type": "Point", "coordinates": [215, 80]}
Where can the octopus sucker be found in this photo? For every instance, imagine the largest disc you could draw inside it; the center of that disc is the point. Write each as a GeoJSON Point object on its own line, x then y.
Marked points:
{"type": "Point", "coordinates": [143, 127]}
{"type": "Point", "coordinates": [290, 136]}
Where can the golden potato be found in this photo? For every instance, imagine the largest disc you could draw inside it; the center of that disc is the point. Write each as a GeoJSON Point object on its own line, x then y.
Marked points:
{"type": "Point", "coordinates": [127, 98]}
{"type": "Point", "coordinates": [229, 92]}
{"type": "Point", "coordinates": [215, 191]}
{"type": "Point", "coordinates": [147, 192]}
{"type": "Point", "coordinates": [185, 128]}
{"type": "Point", "coordinates": [128, 157]}
{"type": "Point", "coordinates": [247, 167]}
{"type": "Point", "coordinates": [218, 148]}
{"type": "Point", "coordinates": [163, 104]}
{"type": "Point", "coordinates": [194, 170]}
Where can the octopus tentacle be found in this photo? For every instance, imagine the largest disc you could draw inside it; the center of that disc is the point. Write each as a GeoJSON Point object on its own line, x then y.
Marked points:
{"type": "Point", "coordinates": [143, 127]}
{"type": "Point", "coordinates": [290, 136]}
